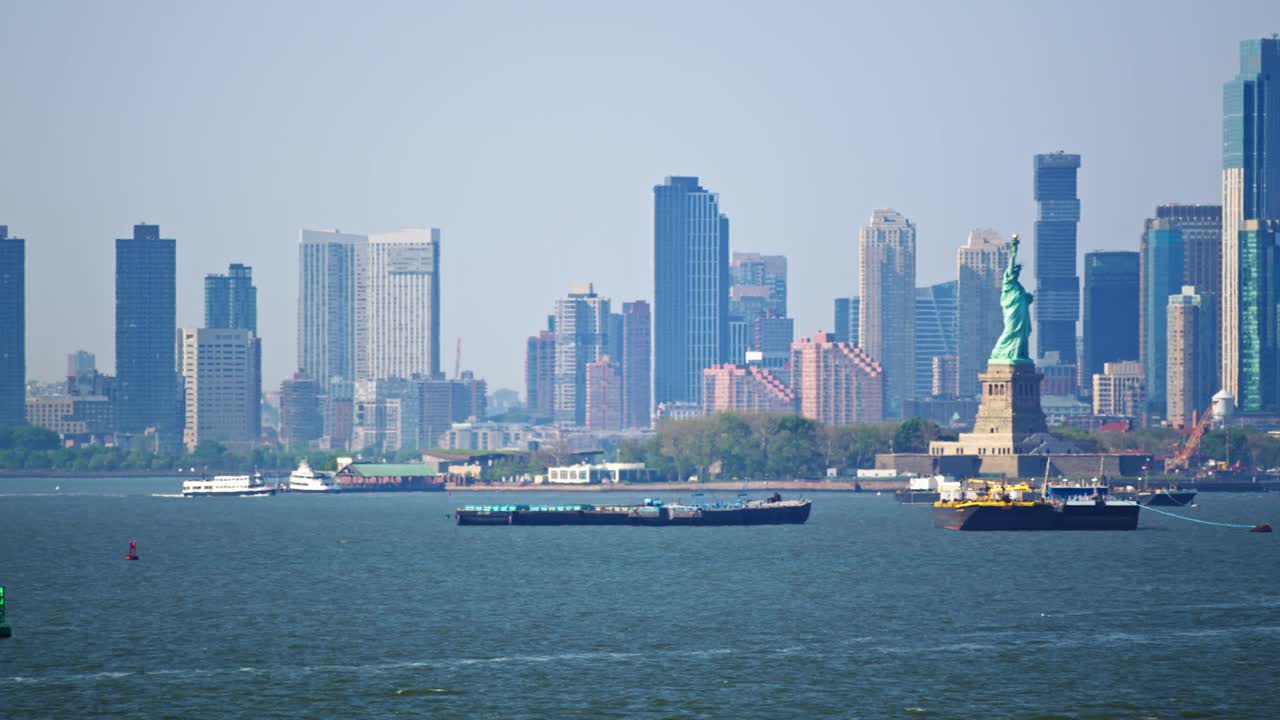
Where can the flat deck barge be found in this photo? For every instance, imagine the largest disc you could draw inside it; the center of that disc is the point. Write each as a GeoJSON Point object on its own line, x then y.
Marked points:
{"type": "Point", "coordinates": [756, 512]}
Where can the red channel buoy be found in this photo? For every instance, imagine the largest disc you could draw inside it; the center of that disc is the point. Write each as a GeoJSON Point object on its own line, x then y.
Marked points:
{"type": "Point", "coordinates": [133, 551]}
{"type": "Point", "coordinates": [1260, 528]}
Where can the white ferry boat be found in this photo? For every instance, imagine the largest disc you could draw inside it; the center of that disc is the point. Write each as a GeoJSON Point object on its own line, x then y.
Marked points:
{"type": "Point", "coordinates": [304, 479]}
{"type": "Point", "coordinates": [227, 486]}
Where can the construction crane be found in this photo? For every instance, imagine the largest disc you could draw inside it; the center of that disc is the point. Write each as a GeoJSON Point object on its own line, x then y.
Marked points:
{"type": "Point", "coordinates": [1182, 458]}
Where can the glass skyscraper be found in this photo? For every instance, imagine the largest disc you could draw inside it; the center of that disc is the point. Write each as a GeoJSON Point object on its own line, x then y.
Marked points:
{"type": "Point", "coordinates": [1161, 277]}
{"type": "Point", "coordinates": [1111, 282]}
{"type": "Point", "coordinates": [231, 300]}
{"type": "Point", "coordinates": [1057, 304]}
{"type": "Point", "coordinates": [1250, 191]}
{"type": "Point", "coordinates": [935, 330]}
{"type": "Point", "coordinates": [148, 388]}
{"type": "Point", "coordinates": [690, 287]}
{"type": "Point", "coordinates": [1257, 292]}
{"type": "Point", "coordinates": [13, 344]}
{"type": "Point", "coordinates": [887, 294]}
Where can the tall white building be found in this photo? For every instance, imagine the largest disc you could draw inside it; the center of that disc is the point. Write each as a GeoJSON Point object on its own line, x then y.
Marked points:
{"type": "Point", "coordinates": [368, 306]}
{"type": "Point", "coordinates": [886, 315]}
{"type": "Point", "coordinates": [222, 378]}
{"type": "Point", "coordinates": [398, 303]}
{"type": "Point", "coordinates": [582, 326]}
{"type": "Point", "coordinates": [980, 265]}
{"type": "Point", "coordinates": [327, 305]}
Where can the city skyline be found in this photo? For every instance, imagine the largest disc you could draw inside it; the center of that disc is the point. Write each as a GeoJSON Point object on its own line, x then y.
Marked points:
{"type": "Point", "coordinates": [609, 243]}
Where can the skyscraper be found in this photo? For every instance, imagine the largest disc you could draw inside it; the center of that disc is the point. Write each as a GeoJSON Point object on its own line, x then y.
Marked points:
{"type": "Point", "coordinates": [1161, 277]}
{"type": "Point", "coordinates": [540, 374]}
{"type": "Point", "coordinates": [327, 306]}
{"type": "Point", "coordinates": [1250, 191]}
{"type": "Point", "coordinates": [636, 381]}
{"type": "Point", "coordinates": [1200, 227]}
{"type": "Point", "coordinates": [398, 305]}
{"type": "Point", "coordinates": [846, 320]}
{"type": "Point", "coordinates": [886, 288]}
{"type": "Point", "coordinates": [301, 415]}
{"type": "Point", "coordinates": [148, 387]}
{"type": "Point", "coordinates": [13, 330]}
{"type": "Point", "coordinates": [691, 287]}
{"type": "Point", "coordinates": [603, 404]}
{"type": "Point", "coordinates": [1257, 294]}
{"type": "Point", "coordinates": [836, 382]}
{"type": "Point", "coordinates": [935, 332]}
{"type": "Point", "coordinates": [222, 374]}
{"type": "Point", "coordinates": [582, 323]}
{"type": "Point", "coordinates": [1111, 306]}
{"type": "Point", "coordinates": [1057, 305]}
{"type": "Point", "coordinates": [1193, 348]}
{"type": "Point", "coordinates": [231, 300]}
{"type": "Point", "coordinates": [980, 265]}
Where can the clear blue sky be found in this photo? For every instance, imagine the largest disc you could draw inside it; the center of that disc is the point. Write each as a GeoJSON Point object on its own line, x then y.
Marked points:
{"type": "Point", "coordinates": [532, 134]}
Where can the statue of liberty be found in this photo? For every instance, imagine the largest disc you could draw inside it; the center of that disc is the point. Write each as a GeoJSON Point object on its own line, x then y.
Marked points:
{"type": "Point", "coordinates": [1013, 347]}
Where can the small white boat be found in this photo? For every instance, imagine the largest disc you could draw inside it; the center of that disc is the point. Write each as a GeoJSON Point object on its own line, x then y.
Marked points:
{"type": "Point", "coordinates": [304, 479]}
{"type": "Point", "coordinates": [227, 486]}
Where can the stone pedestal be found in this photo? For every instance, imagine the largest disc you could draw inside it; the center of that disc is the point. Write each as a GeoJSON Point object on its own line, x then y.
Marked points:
{"type": "Point", "coordinates": [1010, 401]}
{"type": "Point", "coordinates": [1009, 414]}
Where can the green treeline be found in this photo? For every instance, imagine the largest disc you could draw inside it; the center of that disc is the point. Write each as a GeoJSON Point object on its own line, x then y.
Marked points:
{"type": "Point", "coordinates": [33, 448]}
{"type": "Point", "coordinates": [741, 446]}
{"type": "Point", "coordinates": [727, 446]}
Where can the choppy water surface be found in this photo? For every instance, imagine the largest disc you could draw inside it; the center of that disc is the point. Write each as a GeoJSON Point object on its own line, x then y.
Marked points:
{"type": "Point", "coordinates": [377, 606]}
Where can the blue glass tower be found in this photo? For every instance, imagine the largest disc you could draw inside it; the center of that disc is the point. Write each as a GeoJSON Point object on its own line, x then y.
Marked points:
{"type": "Point", "coordinates": [690, 287]}
{"type": "Point", "coordinates": [1250, 191]}
{"type": "Point", "coordinates": [1162, 277]}
{"type": "Point", "coordinates": [13, 344]}
{"type": "Point", "coordinates": [1057, 304]}
{"type": "Point", "coordinates": [1111, 281]}
{"type": "Point", "coordinates": [148, 391]}
{"type": "Point", "coordinates": [231, 300]}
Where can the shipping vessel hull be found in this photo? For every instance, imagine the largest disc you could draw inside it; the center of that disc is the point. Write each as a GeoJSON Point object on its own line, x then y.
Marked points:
{"type": "Point", "coordinates": [1039, 516]}
{"type": "Point", "coordinates": [781, 513]}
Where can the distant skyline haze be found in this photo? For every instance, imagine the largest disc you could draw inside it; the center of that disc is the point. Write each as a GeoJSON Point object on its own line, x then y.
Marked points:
{"type": "Point", "coordinates": [533, 135]}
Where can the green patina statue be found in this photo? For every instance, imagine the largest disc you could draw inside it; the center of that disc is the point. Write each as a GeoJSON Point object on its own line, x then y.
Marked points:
{"type": "Point", "coordinates": [1013, 347]}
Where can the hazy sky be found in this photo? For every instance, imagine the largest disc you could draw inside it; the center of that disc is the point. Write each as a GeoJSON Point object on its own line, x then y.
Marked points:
{"type": "Point", "coordinates": [532, 135]}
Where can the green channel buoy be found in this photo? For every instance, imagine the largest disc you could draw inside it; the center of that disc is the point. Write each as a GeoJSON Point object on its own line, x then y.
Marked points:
{"type": "Point", "coordinates": [4, 628]}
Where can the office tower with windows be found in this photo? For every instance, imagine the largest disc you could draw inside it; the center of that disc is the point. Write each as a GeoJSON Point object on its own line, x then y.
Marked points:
{"type": "Point", "coordinates": [148, 386]}
{"type": "Point", "coordinates": [980, 266]}
{"type": "Point", "coordinates": [691, 288]}
{"type": "Point", "coordinates": [13, 329]}
{"type": "Point", "coordinates": [636, 382]}
{"type": "Point", "coordinates": [327, 306]}
{"type": "Point", "coordinates": [1193, 356]}
{"type": "Point", "coordinates": [1111, 281]}
{"type": "Point", "coordinates": [935, 332]}
{"type": "Point", "coordinates": [231, 300]}
{"type": "Point", "coordinates": [886, 288]}
{"type": "Point", "coordinates": [1057, 305]}
{"type": "Point", "coordinates": [582, 324]}
{"type": "Point", "coordinates": [1250, 191]}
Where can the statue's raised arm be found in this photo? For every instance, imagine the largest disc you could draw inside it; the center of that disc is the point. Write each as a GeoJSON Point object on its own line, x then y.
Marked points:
{"type": "Point", "coordinates": [1013, 347]}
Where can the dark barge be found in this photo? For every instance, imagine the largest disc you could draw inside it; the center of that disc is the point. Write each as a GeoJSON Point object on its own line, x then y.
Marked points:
{"type": "Point", "coordinates": [773, 511]}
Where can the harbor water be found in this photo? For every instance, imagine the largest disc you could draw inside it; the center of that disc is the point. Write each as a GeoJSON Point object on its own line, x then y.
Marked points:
{"type": "Point", "coordinates": [379, 605]}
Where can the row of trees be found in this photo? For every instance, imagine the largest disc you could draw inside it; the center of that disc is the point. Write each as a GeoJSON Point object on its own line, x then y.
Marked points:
{"type": "Point", "coordinates": [772, 446]}
{"type": "Point", "coordinates": [33, 448]}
